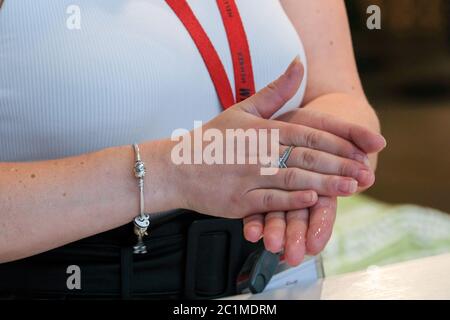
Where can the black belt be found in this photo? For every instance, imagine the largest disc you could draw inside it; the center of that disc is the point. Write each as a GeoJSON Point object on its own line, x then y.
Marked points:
{"type": "Point", "coordinates": [191, 256]}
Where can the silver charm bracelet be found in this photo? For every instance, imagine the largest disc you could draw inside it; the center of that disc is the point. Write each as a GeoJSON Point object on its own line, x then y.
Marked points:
{"type": "Point", "coordinates": [142, 221]}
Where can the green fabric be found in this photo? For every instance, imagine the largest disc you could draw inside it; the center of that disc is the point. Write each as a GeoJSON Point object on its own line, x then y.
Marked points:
{"type": "Point", "coordinates": [368, 232]}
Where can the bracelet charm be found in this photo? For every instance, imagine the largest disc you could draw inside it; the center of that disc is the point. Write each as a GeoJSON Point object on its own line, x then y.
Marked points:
{"type": "Point", "coordinates": [140, 230]}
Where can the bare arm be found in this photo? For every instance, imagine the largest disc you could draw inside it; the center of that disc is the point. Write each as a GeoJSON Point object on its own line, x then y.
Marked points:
{"type": "Point", "coordinates": [47, 204]}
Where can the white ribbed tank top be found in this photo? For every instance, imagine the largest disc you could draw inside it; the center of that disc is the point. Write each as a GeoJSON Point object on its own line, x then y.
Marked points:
{"type": "Point", "coordinates": [131, 73]}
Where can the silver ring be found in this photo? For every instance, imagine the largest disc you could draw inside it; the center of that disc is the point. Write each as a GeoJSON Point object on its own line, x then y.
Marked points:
{"type": "Point", "coordinates": [284, 157]}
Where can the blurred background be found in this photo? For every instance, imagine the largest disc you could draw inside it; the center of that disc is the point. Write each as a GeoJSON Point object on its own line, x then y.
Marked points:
{"type": "Point", "coordinates": [405, 69]}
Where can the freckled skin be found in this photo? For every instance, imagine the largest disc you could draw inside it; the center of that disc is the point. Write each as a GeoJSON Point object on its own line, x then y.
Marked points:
{"type": "Point", "coordinates": [33, 176]}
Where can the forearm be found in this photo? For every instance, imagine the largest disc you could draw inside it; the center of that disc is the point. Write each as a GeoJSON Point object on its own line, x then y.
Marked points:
{"type": "Point", "coordinates": [47, 204]}
{"type": "Point", "coordinates": [351, 108]}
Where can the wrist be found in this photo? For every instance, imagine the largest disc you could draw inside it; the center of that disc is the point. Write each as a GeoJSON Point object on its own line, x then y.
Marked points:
{"type": "Point", "coordinates": [162, 186]}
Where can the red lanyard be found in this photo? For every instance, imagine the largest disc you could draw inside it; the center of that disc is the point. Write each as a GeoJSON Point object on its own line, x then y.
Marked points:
{"type": "Point", "coordinates": [237, 40]}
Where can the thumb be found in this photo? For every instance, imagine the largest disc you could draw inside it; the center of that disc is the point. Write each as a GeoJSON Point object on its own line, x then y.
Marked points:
{"type": "Point", "coordinates": [270, 99]}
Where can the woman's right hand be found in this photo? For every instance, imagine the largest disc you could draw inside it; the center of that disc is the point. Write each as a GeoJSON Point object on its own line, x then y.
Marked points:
{"type": "Point", "coordinates": [239, 190]}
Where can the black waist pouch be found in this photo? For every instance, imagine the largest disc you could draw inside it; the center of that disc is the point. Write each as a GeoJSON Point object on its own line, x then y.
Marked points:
{"type": "Point", "coordinates": [191, 256]}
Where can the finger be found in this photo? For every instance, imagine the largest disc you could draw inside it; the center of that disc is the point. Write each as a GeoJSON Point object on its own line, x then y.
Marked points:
{"type": "Point", "coordinates": [321, 221]}
{"type": "Point", "coordinates": [367, 140]}
{"type": "Point", "coordinates": [296, 227]}
{"type": "Point", "coordinates": [300, 179]}
{"type": "Point", "coordinates": [274, 230]}
{"type": "Point", "coordinates": [302, 136]}
{"type": "Point", "coordinates": [253, 227]}
{"type": "Point", "coordinates": [270, 99]}
{"type": "Point", "coordinates": [267, 200]}
{"type": "Point", "coordinates": [326, 163]}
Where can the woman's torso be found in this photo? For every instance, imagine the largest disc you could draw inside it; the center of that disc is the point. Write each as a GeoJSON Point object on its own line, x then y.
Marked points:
{"type": "Point", "coordinates": [131, 73]}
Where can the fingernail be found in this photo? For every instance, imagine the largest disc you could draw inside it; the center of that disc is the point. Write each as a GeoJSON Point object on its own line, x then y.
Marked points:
{"type": "Point", "coordinates": [384, 142]}
{"type": "Point", "coordinates": [273, 244]}
{"type": "Point", "coordinates": [348, 186]}
{"type": "Point", "coordinates": [296, 60]}
{"type": "Point", "coordinates": [363, 175]}
{"type": "Point", "coordinates": [309, 197]}
{"type": "Point", "coordinates": [361, 158]}
{"type": "Point", "coordinates": [294, 66]}
{"type": "Point", "coordinates": [254, 233]}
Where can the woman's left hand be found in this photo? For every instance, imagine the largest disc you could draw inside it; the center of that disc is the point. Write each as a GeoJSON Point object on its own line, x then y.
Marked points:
{"type": "Point", "coordinates": [307, 231]}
